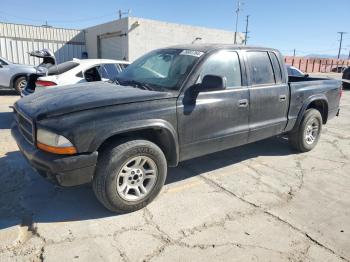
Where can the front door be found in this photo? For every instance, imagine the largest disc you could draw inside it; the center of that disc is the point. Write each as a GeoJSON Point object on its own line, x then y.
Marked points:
{"type": "Point", "coordinates": [214, 120]}
{"type": "Point", "coordinates": [269, 96]}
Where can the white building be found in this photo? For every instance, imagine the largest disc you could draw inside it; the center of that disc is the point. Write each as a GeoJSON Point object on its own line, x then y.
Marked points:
{"type": "Point", "coordinates": [127, 38]}
{"type": "Point", "coordinates": [131, 37]}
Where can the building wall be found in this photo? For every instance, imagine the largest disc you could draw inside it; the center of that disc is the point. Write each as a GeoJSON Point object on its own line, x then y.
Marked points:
{"type": "Point", "coordinates": [92, 34]}
{"type": "Point", "coordinates": [145, 35]}
{"type": "Point", "coordinates": [17, 40]}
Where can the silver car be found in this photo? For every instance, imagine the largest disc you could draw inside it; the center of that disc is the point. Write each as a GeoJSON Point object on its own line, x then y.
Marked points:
{"type": "Point", "coordinates": [14, 76]}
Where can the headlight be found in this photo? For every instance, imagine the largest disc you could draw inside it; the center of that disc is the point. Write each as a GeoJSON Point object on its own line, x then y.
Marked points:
{"type": "Point", "coordinates": [53, 143]}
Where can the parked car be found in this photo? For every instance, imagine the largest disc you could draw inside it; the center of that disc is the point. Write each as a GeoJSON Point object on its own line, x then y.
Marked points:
{"type": "Point", "coordinates": [170, 105]}
{"type": "Point", "coordinates": [338, 69]}
{"type": "Point", "coordinates": [76, 71]}
{"type": "Point", "coordinates": [14, 76]}
{"type": "Point", "coordinates": [346, 78]}
{"type": "Point", "coordinates": [293, 71]}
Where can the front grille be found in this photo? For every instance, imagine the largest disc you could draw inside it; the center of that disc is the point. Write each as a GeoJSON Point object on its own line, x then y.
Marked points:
{"type": "Point", "coordinates": [25, 126]}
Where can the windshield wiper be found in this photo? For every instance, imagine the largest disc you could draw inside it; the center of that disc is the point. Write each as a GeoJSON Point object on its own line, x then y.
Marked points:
{"type": "Point", "coordinates": [135, 83]}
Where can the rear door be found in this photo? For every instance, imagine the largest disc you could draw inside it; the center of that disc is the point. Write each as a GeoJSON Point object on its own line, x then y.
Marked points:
{"type": "Point", "coordinates": [269, 96]}
{"type": "Point", "coordinates": [214, 120]}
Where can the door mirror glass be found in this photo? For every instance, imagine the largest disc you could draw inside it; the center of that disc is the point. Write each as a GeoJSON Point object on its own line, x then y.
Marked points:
{"type": "Point", "coordinates": [213, 83]}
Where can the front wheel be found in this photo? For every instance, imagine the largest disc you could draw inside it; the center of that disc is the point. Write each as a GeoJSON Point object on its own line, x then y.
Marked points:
{"type": "Point", "coordinates": [308, 133]}
{"type": "Point", "coordinates": [129, 175]}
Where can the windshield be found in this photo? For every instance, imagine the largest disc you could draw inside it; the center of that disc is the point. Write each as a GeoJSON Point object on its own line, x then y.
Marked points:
{"type": "Point", "coordinates": [165, 68]}
{"type": "Point", "coordinates": [61, 68]}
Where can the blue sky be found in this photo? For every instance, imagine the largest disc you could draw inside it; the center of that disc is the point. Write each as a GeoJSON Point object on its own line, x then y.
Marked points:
{"type": "Point", "coordinates": [309, 26]}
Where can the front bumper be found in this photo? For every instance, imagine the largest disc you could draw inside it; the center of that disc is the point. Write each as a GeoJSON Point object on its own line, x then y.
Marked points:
{"type": "Point", "coordinates": [64, 170]}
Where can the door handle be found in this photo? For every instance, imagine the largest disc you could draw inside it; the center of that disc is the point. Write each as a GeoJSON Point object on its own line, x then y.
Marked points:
{"type": "Point", "coordinates": [283, 98]}
{"type": "Point", "coordinates": [243, 103]}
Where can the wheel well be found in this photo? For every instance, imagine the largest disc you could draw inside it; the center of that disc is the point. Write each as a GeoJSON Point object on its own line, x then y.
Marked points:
{"type": "Point", "coordinates": [322, 107]}
{"type": "Point", "coordinates": [160, 137]}
{"type": "Point", "coordinates": [14, 78]}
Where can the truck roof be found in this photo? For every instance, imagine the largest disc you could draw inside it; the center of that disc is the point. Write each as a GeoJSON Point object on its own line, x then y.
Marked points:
{"type": "Point", "coordinates": [207, 47]}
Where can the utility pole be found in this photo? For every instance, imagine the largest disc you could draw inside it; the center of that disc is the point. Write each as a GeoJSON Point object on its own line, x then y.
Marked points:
{"type": "Point", "coordinates": [237, 13]}
{"type": "Point", "coordinates": [341, 41]}
{"type": "Point", "coordinates": [246, 30]}
{"type": "Point", "coordinates": [294, 52]}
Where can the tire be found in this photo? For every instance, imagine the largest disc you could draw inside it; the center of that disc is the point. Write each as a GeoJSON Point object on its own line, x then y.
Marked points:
{"type": "Point", "coordinates": [300, 139]}
{"type": "Point", "coordinates": [19, 84]}
{"type": "Point", "coordinates": [117, 185]}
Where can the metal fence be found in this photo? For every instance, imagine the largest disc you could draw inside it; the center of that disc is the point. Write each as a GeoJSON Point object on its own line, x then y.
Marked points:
{"type": "Point", "coordinates": [315, 65]}
{"type": "Point", "coordinates": [17, 40]}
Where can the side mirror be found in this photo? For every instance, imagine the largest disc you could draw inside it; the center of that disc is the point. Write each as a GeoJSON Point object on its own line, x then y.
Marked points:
{"type": "Point", "coordinates": [213, 83]}
{"type": "Point", "coordinates": [306, 75]}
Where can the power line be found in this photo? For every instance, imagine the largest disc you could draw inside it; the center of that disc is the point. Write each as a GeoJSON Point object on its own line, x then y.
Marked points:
{"type": "Point", "coordinates": [341, 41]}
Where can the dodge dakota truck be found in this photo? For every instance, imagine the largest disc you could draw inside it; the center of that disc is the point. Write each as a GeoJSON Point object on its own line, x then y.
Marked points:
{"type": "Point", "coordinates": [170, 105]}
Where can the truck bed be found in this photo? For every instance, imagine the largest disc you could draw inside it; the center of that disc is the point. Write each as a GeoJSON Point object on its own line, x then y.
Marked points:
{"type": "Point", "coordinates": [309, 88]}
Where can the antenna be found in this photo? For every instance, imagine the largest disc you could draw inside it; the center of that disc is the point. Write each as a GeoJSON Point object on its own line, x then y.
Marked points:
{"type": "Point", "coordinates": [121, 13]}
{"type": "Point", "coordinates": [238, 9]}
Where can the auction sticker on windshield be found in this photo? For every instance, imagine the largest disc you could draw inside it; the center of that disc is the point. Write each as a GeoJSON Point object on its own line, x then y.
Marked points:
{"type": "Point", "coordinates": [192, 53]}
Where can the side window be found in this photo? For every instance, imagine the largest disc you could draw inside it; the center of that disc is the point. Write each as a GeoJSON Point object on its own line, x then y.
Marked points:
{"type": "Point", "coordinates": [276, 68]}
{"type": "Point", "coordinates": [92, 74]}
{"type": "Point", "coordinates": [103, 72]}
{"type": "Point", "coordinates": [225, 64]}
{"type": "Point", "coordinates": [296, 73]}
{"type": "Point", "coordinates": [123, 66]}
{"type": "Point", "coordinates": [112, 71]}
{"type": "Point", "coordinates": [260, 68]}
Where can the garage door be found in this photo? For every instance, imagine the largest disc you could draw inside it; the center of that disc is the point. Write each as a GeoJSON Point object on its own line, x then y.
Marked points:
{"type": "Point", "coordinates": [111, 47]}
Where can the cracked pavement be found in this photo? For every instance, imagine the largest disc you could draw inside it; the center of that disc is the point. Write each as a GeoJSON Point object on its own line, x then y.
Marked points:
{"type": "Point", "coordinates": [259, 202]}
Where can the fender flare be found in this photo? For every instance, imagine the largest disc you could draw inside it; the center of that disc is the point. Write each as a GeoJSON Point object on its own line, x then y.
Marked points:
{"type": "Point", "coordinates": [139, 125]}
{"type": "Point", "coordinates": [309, 100]}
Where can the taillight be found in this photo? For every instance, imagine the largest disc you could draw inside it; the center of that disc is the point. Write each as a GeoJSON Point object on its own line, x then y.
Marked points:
{"type": "Point", "coordinates": [45, 83]}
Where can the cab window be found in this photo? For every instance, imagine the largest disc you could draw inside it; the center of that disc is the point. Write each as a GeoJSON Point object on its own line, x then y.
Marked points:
{"type": "Point", "coordinates": [260, 68]}
{"type": "Point", "coordinates": [224, 64]}
{"type": "Point", "coordinates": [276, 68]}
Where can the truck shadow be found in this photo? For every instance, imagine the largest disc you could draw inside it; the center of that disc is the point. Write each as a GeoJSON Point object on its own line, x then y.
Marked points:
{"type": "Point", "coordinates": [23, 193]}
{"type": "Point", "coordinates": [6, 119]}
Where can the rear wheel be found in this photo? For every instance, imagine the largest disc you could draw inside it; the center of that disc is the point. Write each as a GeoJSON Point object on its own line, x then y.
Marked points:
{"type": "Point", "coordinates": [129, 175]}
{"type": "Point", "coordinates": [308, 133]}
{"type": "Point", "coordinates": [20, 83]}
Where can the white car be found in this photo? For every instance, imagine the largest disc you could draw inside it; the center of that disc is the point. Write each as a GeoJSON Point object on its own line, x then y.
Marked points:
{"type": "Point", "coordinates": [79, 71]}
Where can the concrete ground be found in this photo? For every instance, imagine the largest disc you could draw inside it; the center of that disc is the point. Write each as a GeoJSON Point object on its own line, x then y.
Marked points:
{"type": "Point", "coordinates": [260, 202]}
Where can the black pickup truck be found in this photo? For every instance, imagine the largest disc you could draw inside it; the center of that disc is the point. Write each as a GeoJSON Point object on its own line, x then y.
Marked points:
{"type": "Point", "coordinates": [170, 105]}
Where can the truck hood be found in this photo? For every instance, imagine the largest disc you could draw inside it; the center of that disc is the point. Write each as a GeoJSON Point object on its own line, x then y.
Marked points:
{"type": "Point", "coordinates": [68, 99]}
